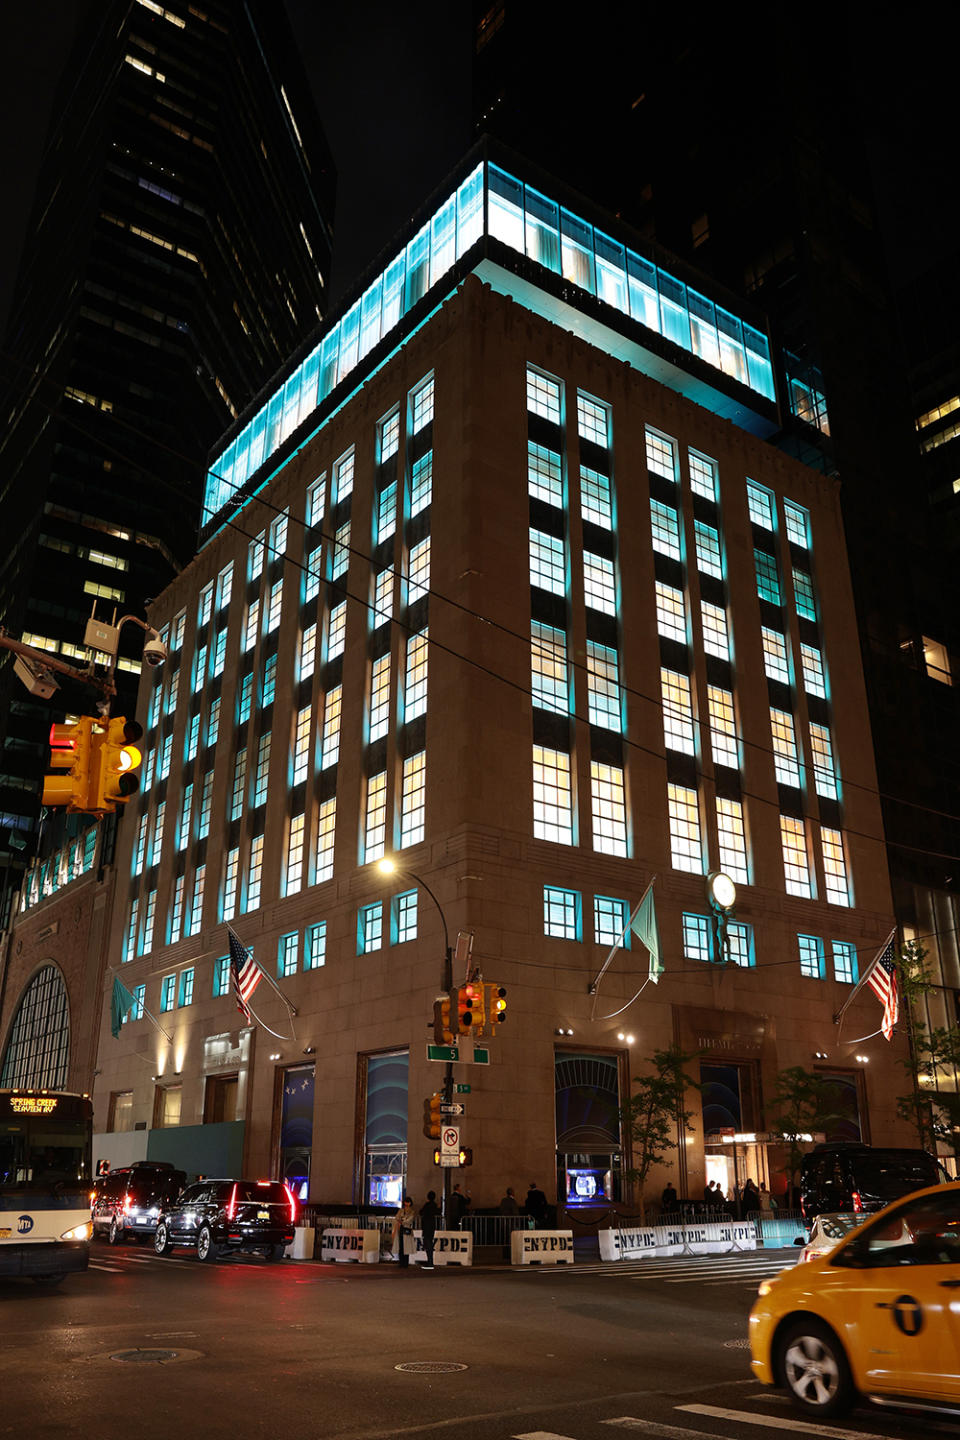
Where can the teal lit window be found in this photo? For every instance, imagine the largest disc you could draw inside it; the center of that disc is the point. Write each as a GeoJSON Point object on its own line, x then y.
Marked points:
{"type": "Point", "coordinates": [193, 736]}
{"type": "Point", "coordinates": [224, 586]}
{"type": "Point", "coordinates": [343, 477]}
{"type": "Point", "coordinates": [341, 552]}
{"type": "Point", "coordinates": [785, 764]}
{"type": "Point", "coordinates": [548, 663]}
{"type": "Point", "coordinates": [288, 948]}
{"type": "Point", "coordinates": [543, 395]}
{"type": "Point", "coordinates": [812, 961]}
{"type": "Point", "coordinates": [195, 919]}
{"type": "Point", "coordinates": [661, 454]}
{"type": "Point", "coordinates": [239, 784]}
{"type": "Point", "coordinates": [697, 937]}
{"type": "Point", "coordinates": [206, 801]}
{"type": "Point", "coordinates": [173, 692]}
{"type": "Point", "coordinates": [369, 928]}
{"type": "Point", "coordinates": [603, 686]}
{"type": "Point", "coordinates": [709, 559]}
{"type": "Point", "coordinates": [768, 578]}
{"type": "Point", "coordinates": [252, 627]}
{"type": "Point", "coordinates": [609, 921]}
{"type": "Point", "coordinates": [274, 606]}
{"type": "Point", "coordinates": [89, 846]}
{"type": "Point", "coordinates": [308, 652]}
{"type": "Point", "coordinates": [421, 405]}
{"type": "Point", "coordinates": [403, 917]}
{"type": "Point", "coordinates": [316, 492]}
{"type": "Point", "coordinates": [186, 987]}
{"type": "Point", "coordinates": [803, 595]}
{"type": "Point", "coordinates": [176, 630]}
{"type": "Point", "coordinates": [561, 913]}
{"type": "Point", "coordinates": [263, 770]}
{"type": "Point", "coordinates": [315, 945]}
{"type": "Point", "coordinates": [205, 604]}
{"type": "Point", "coordinates": [139, 1001]}
{"type": "Point", "coordinates": [775, 663]}
{"type": "Point", "coordinates": [388, 436]}
{"type": "Point", "coordinates": [703, 475]}
{"type": "Point", "coordinates": [220, 652]}
{"type": "Point", "coordinates": [255, 556]}
{"type": "Point", "coordinates": [278, 534]}
{"type": "Point", "coordinates": [761, 505]}
{"type": "Point", "coordinates": [814, 680]}
{"type": "Point", "coordinates": [130, 939]}
{"type": "Point", "coordinates": [596, 504]}
{"type": "Point", "coordinates": [797, 523]}
{"type": "Point", "coordinates": [312, 574]}
{"type": "Point", "coordinates": [740, 944]}
{"type": "Point", "coordinates": [269, 681]}
{"type": "Point", "coordinates": [157, 845]}
{"type": "Point", "coordinates": [221, 976]}
{"type": "Point", "coordinates": [153, 713]}
{"type": "Point", "coordinates": [665, 530]}
{"type": "Point", "coordinates": [168, 992]}
{"type": "Point", "coordinates": [387, 512]}
{"type": "Point", "coordinates": [593, 420]}
{"type": "Point", "coordinates": [421, 483]}
{"type": "Point", "coordinates": [544, 474]}
{"type": "Point", "coordinates": [186, 805]}
{"type": "Point", "coordinates": [176, 910]}
{"type": "Point", "coordinates": [845, 968]}
{"type": "Point", "coordinates": [200, 668]}
{"type": "Point", "coordinates": [599, 583]}
{"type": "Point", "coordinates": [213, 721]}
{"type": "Point", "coordinates": [547, 564]}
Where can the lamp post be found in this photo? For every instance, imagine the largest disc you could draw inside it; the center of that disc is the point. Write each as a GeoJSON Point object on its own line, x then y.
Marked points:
{"type": "Point", "coordinates": [390, 867]}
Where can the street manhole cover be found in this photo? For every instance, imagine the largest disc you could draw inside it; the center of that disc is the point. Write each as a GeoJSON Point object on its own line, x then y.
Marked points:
{"type": "Point", "coordinates": [736, 1344]}
{"type": "Point", "coordinates": [430, 1367]}
{"type": "Point", "coordinates": [153, 1357]}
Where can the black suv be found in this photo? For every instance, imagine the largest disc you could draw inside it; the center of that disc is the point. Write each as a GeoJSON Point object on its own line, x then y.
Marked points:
{"type": "Point", "coordinates": [219, 1216]}
{"type": "Point", "coordinates": [862, 1178]}
{"type": "Point", "coordinates": [125, 1203]}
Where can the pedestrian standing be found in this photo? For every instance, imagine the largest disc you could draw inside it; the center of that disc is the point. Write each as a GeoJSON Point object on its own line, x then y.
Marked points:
{"type": "Point", "coordinates": [458, 1207]}
{"type": "Point", "coordinates": [508, 1205]}
{"type": "Point", "coordinates": [708, 1196]}
{"type": "Point", "coordinates": [535, 1206]}
{"type": "Point", "coordinates": [429, 1215]}
{"type": "Point", "coordinates": [403, 1223]}
{"type": "Point", "coordinates": [669, 1199]}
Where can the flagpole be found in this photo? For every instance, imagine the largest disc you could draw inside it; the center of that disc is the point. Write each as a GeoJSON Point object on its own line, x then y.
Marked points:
{"type": "Point", "coordinates": [864, 978]}
{"type": "Point", "coordinates": [631, 916]}
{"type": "Point", "coordinates": [292, 1009]}
{"type": "Point", "coordinates": [150, 1016]}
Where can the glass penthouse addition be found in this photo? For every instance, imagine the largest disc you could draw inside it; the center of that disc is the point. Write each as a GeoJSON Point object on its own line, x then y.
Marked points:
{"type": "Point", "coordinates": [489, 202]}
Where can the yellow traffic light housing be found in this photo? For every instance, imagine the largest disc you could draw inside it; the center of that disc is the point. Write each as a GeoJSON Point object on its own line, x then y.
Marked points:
{"type": "Point", "coordinates": [118, 758]}
{"type": "Point", "coordinates": [496, 1006]}
{"type": "Point", "coordinates": [442, 1028]}
{"type": "Point", "coordinates": [432, 1119]}
{"type": "Point", "coordinates": [470, 1008]}
{"type": "Point", "coordinates": [73, 748]}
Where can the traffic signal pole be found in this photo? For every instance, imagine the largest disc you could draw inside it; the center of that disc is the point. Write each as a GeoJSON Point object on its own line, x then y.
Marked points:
{"type": "Point", "coordinates": [446, 983]}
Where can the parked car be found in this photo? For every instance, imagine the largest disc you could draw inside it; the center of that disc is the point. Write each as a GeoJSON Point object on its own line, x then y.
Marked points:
{"type": "Point", "coordinates": [825, 1232]}
{"type": "Point", "coordinates": [219, 1216]}
{"type": "Point", "coordinates": [873, 1316]}
{"type": "Point", "coordinates": [125, 1203]}
{"type": "Point", "coordinates": [861, 1178]}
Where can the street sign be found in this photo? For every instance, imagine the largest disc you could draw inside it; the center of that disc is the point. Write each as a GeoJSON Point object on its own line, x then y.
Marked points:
{"type": "Point", "coordinates": [450, 1107]}
{"type": "Point", "coordinates": [443, 1052]}
{"type": "Point", "coordinates": [461, 1089]}
{"type": "Point", "coordinates": [449, 1161]}
{"type": "Point", "coordinates": [449, 1140]}
{"type": "Point", "coordinates": [479, 1057]}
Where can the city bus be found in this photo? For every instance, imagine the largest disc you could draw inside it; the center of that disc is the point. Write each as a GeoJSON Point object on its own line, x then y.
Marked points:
{"type": "Point", "coordinates": [45, 1162]}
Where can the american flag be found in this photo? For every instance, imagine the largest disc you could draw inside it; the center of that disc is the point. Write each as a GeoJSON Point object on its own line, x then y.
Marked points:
{"type": "Point", "coordinates": [882, 979]}
{"type": "Point", "coordinates": [246, 974]}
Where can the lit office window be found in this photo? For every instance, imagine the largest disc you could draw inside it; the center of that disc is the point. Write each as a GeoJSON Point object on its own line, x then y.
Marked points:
{"type": "Point", "coordinates": [599, 584]}
{"type": "Point", "coordinates": [219, 652]}
{"type": "Point", "coordinates": [821, 749]}
{"type": "Point", "coordinates": [796, 864]}
{"type": "Point", "coordinates": [716, 634]}
{"type": "Point", "coordinates": [158, 833]}
{"type": "Point", "coordinates": [421, 483]}
{"type": "Point", "coordinates": [206, 804]}
{"type": "Point", "coordinates": [176, 909]}
{"type": "Point", "coordinates": [723, 727]}
{"type": "Point", "coordinates": [543, 395]}
{"type": "Point", "coordinates": [252, 627]}
{"type": "Point", "coordinates": [671, 613]}
{"type": "Point", "coordinates": [761, 505]}
{"type": "Point", "coordinates": [186, 987]}
{"type": "Point", "coordinates": [610, 918]}
{"type": "Point", "coordinates": [315, 945]}
{"type": "Point", "coordinates": [415, 677]}
{"type": "Point", "coordinates": [337, 630]}
{"type": "Point", "coordinates": [186, 806]}
{"type": "Point", "coordinates": [293, 878]}
{"type": "Point", "coordinates": [803, 595]}
{"type": "Point", "coordinates": [596, 504]}
{"type": "Point", "coordinates": [403, 917]}
{"type": "Point", "coordinates": [776, 665]}
{"type": "Point", "coordinates": [130, 940]}
{"type": "Point", "coordinates": [421, 405]}
{"type": "Point", "coordinates": [413, 799]}
{"type": "Point", "coordinates": [255, 556]}
{"type": "Point", "coordinates": [375, 817]}
{"type": "Point", "coordinates": [308, 652]}
{"type": "Point", "coordinates": [703, 475]}
{"type": "Point", "coordinates": [330, 735]}
{"type": "Point", "coordinates": [238, 793]}
{"type": "Point", "coordinates": [205, 605]}
{"type": "Point", "coordinates": [193, 736]}
{"type": "Point", "coordinates": [177, 627]}
{"type": "Point", "coordinates": [382, 598]}
{"type": "Point", "coordinates": [168, 993]}
{"type": "Point", "coordinates": [343, 477]}
{"type": "Point", "coordinates": [709, 559]}
{"type": "Point", "coordinates": [812, 960]}
{"type": "Point", "coordinates": [593, 420]}
{"type": "Point", "coordinates": [301, 744]}
{"type": "Point", "coordinates": [785, 764]}
{"type": "Point", "coordinates": [369, 928]}
{"type": "Point", "coordinates": [313, 574]}
{"type": "Point", "coordinates": [288, 955]}
{"type": "Point", "coordinates": [268, 694]}
{"type": "Point", "coordinates": [139, 1003]}
{"type": "Point", "coordinates": [261, 778]}
{"type": "Point", "coordinates": [379, 702]}
{"type": "Point", "coordinates": [224, 586]}
{"type": "Point", "coordinates": [418, 579]}
{"type": "Point", "coordinates": [686, 846]}
{"type": "Point", "coordinates": [388, 436]}
{"type": "Point", "coordinates": [836, 882]}
{"type": "Point", "coordinates": [678, 731]}
{"type": "Point", "coordinates": [547, 565]}
{"type": "Point", "coordinates": [221, 976]}
{"type": "Point", "coordinates": [548, 662]}
{"type": "Point", "coordinates": [797, 523]}
{"type": "Point", "coordinates": [603, 686]}
{"type": "Point", "coordinates": [552, 796]}
{"type": "Point", "coordinates": [608, 809]}
{"type": "Point", "coordinates": [665, 530]}
{"type": "Point", "coordinates": [740, 948]}
{"type": "Point", "coordinates": [661, 454]}
{"type": "Point", "coordinates": [245, 698]}
{"type": "Point", "coordinates": [199, 670]}
{"type": "Point", "coordinates": [315, 507]}
{"type": "Point", "coordinates": [149, 915]}
{"type": "Point", "coordinates": [697, 933]}
{"type": "Point", "coordinates": [768, 577]}
{"type": "Point", "coordinates": [173, 693]}
{"type": "Point", "coordinates": [325, 839]}
{"type": "Point", "coordinates": [255, 872]}
{"type": "Point", "coordinates": [845, 967]}
{"type": "Point", "coordinates": [231, 877]}
{"type": "Point", "coordinates": [340, 554]}
{"type": "Point", "coordinates": [561, 913]}
{"type": "Point", "coordinates": [386, 512]}
{"type": "Point", "coordinates": [195, 922]}
{"type": "Point", "coordinates": [544, 474]}
{"type": "Point", "coordinates": [732, 840]}
{"type": "Point", "coordinates": [140, 847]}
{"type": "Point", "coordinates": [278, 534]}
{"type": "Point", "coordinates": [814, 680]}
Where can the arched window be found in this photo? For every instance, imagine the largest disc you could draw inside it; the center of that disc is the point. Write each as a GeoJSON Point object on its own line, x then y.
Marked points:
{"type": "Point", "coordinates": [38, 1048]}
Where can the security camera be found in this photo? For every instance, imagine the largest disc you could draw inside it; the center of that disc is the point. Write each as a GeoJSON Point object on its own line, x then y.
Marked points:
{"type": "Point", "coordinates": [154, 652]}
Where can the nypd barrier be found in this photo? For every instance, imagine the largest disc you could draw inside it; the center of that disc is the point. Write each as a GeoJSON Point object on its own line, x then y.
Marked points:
{"type": "Point", "coordinates": [450, 1247]}
{"type": "Point", "coordinates": [717, 1237]}
{"type": "Point", "coordinates": [358, 1245]}
{"type": "Point", "coordinates": [541, 1247]}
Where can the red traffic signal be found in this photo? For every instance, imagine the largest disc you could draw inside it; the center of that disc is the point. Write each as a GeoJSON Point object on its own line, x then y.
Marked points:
{"type": "Point", "coordinates": [73, 748]}
{"type": "Point", "coordinates": [470, 1008]}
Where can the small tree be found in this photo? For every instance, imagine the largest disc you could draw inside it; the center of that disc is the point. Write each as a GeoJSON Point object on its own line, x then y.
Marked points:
{"type": "Point", "coordinates": [654, 1115]}
{"type": "Point", "coordinates": [934, 1113]}
{"type": "Point", "coordinates": [801, 1104]}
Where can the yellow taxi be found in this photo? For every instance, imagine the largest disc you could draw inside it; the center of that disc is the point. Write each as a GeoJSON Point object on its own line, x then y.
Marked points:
{"type": "Point", "coordinates": [878, 1315]}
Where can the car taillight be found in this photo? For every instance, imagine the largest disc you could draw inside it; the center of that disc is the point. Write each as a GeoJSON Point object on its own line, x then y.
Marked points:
{"type": "Point", "coordinates": [232, 1206]}
{"type": "Point", "coordinates": [293, 1204]}
{"type": "Point", "coordinates": [127, 1204]}
{"type": "Point", "coordinates": [857, 1203]}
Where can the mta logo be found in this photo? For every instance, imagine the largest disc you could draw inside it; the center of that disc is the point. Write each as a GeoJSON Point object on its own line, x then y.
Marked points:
{"type": "Point", "coordinates": [24, 1224]}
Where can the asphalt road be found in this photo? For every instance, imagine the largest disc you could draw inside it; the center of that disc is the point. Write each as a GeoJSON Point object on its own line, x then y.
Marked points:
{"type": "Point", "coordinates": [312, 1351]}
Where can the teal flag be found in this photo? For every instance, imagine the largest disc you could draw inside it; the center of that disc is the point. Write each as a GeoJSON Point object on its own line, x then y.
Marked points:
{"type": "Point", "coordinates": [644, 926]}
{"type": "Point", "coordinates": [122, 1002]}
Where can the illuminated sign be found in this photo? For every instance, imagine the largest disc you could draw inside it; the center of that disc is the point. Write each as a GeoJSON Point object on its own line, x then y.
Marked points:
{"type": "Point", "coordinates": [33, 1104]}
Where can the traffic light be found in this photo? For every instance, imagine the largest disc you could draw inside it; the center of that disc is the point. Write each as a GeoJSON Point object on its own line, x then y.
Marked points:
{"type": "Point", "coordinates": [442, 1029]}
{"type": "Point", "coordinates": [118, 758]}
{"type": "Point", "coordinates": [73, 748]}
{"type": "Point", "coordinates": [432, 1119]}
{"type": "Point", "coordinates": [496, 1006]}
{"type": "Point", "coordinates": [470, 1008]}
{"type": "Point", "coordinates": [466, 1155]}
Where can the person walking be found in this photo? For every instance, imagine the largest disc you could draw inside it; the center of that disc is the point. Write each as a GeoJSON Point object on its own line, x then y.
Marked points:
{"type": "Point", "coordinates": [403, 1223]}
{"type": "Point", "coordinates": [429, 1216]}
{"type": "Point", "coordinates": [508, 1205]}
{"type": "Point", "coordinates": [535, 1206]}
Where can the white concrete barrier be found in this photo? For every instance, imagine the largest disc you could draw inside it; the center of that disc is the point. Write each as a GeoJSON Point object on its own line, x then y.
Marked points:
{"type": "Point", "coordinates": [301, 1248]}
{"type": "Point", "coordinates": [710, 1237]}
{"type": "Point", "coordinates": [357, 1245]}
{"type": "Point", "coordinates": [450, 1247]}
{"type": "Point", "coordinates": [541, 1247]}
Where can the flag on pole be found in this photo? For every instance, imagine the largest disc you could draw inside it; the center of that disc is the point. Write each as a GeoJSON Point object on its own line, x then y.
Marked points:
{"type": "Point", "coordinates": [882, 979]}
{"type": "Point", "coordinates": [644, 926]}
{"type": "Point", "coordinates": [246, 974]}
{"type": "Point", "coordinates": [121, 1003]}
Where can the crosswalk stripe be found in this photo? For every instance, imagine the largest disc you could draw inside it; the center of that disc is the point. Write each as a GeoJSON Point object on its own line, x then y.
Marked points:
{"type": "Point", "coordinates": [661, 1431]}
{"type": "Point", "coordinates": [779, 1422]}
{"type": "Point", "coordinates": [541, 1435]}
{"type": "Point", "coordinates": [115, 1269]}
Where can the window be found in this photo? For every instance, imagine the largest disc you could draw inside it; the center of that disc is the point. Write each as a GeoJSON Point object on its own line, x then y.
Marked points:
{"type": "Point", "coordinates": [157, 845]}
{"type": "Point", "coordinates": [199, 671]}
{"type": "Point", "coordinates": [608, 809]}
{"type": "Point", "coordinates": [139, 1000]}
{"type": "Point", "coordinates": [547, 565]}
{"type": "Point", "coordinates": [678, 731]}
{"type": "Point", "coordinates": [176, 910]}
{"type": "Point", "coordinates": [369, 928]}
{"type": "Point", "coordinates": [761, 505]}
{"type": "Point", "coordinates": [596, 503]}
{"type": "Point", "coordinates": [167, 1106]}
{"type": "Point", "coordinates": [330, 735]}
{"type": "Point", "coordinates": [610, 919]}
{"type": "Point", "coordinates": [418, 579]}
{"type": "Point", "coordinates": [845, 968]}
{"type": "Point", "coordinates": [375, 817]}
{"type": "Point", "coordinates": [166, 752]}
{"type": "Point", "coordinates": [315, 945]}
{"type": "Point", "coordinates": [732, 839]}
{"type": "Point", "coordinates": [239, 785]}
{"type": "Point", "coordinates": [561, 913]}
{"type": "Point", "coordinates": [220, 652]}
{"type": "Point", "coordinates": [379, 701]}
{"type": "Point", "coordinates": [196, 905]}
{"type": "Point", "coordinates": [686, 847]}
{"type": "Point", "coordinates": [301, 745]}
{"type": "Point", "coordinates": [206, 801]}
{"type": "Point", "coordinates": [543, 395]}
{"type": "Point", "coordinates": [252, 626]}
{"type": "Point", "coordinates": [140, 848]}
{"type": "Point", "coordinates": [716, 635]}
{"type": "Point", "coordinates": [382, 598]}
{"type": "Point", "coordinates": [661, 454]}
{"type": "Point", "coordinates": [548, 663]}
{"type": "Point", "coordinates": [665, 529]}
{"type": "Point", "coordinates": [387, 512]}
{"type": "Point", "coordinates": [814, 680]}
{"type": "Point", "coordinates": [245, 698]}
{"type": "Point", "coordinates": [193, 736]}
{"type": "Point", "coordinates": [231, 877]}
{"type": "Point", "coordinates": [403, 917]}
{"type": "Point", "coordinates": [796, 865]}
{"type": "Point", "coordinates": [697, 937]}
{"type": "Point", "coordinates": [835, 879]}
{"type": "Point", "coordinates": [316, 503]}
{"type": "Point", "coordinates": [221, 976]}
{"type": "Point", "coordinates": [812, 962]}
{"type": "Point", "coordinates": [224, 586]}
{"type": "Point", "coordinates": [255, 872]}
{"type": "Point", "coordinates": [768, 577]}
{"type": "Point", "coordinates": [343, 477]}
{"type": "Point", "coordinates": [803, 595]}
{"type": "Point", "coordinates": [593, 420]}
{"type": "Point", "coordinates": [326, 828]}
{"type": "Point", "coordinates": [723, 727]}
{"type": "Point", "coordinates": [168, 992]}
{"type": "Point", "coordinates": [775, 663]}
{"type": "Point", "coordinates": [415, 680]}
{"type": "Point", "coordinates": [186, 987]}
{"type": "Point", "coordinates": [671, 613]}
{"type": "Point", "coordinates": [421, 483]}
{"type": "Point", "coordinates": [936, 660]}
{"type": "Point", "coordinates": [703, 475]}
{"type": "Point", "coordinates": [312, 574]}
{"type": "Point", "coordinates": [288, 954]}
{"type": "Point", "coordinates": [798, 523]}
{"type": "Point", "coordinates": [263, 770]}
{"type": "Point", "coordinates": [821, 749]}
{"type": "Point", "coordinates": [176, 630]}
{"type": "Point", "coordinates": [421, 405]}
{"type": "Point", "coordinates": [340, 554]}
{"type": "Point", "coordinates": [552, 796]}
{"type": "Point", "coordinates": [603, 686]}
{"type": "Point", "coordinates": [336, 633]}
{"type": "Point", "coordinates": [709, 559]}
{"type": "Point", "coordinates": [785, 764]}
{"type": "Point", "coordinates": [269, 681]}
{"type": "Point", "coordinates": [278, 534]}
{"type": "Point", "coordinates": [740, 944]}
{"type": "Point", "coordinates": [388, 437]}
{"type": "Point", "coordinates": [255, 556]}
{"type": "Point", "coordinates": [413, 795]}
{"type": "Point", "coordinates": [293, 877]}
{"type": "Point", "coordinates": [308, 652]}
{"type": "Point", "coordinates": [544, 475]}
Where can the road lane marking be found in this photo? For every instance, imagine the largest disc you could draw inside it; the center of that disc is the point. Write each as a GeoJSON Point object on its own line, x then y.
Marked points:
{"type": "Point", "coordinates": [779, 1422]}
{"type": "Point", "coordinates": [114, 1269]}
{"type": "Point", "coordinates": [660, 1431]}
{"type": "Point", "coordinates": [541, 1435]}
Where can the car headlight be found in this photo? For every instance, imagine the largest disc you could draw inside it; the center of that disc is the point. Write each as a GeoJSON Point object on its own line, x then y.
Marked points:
{"type": "Point", "coordinates": [79, 1232]}
{"type": "Point", "coordinates": [764, 1288]}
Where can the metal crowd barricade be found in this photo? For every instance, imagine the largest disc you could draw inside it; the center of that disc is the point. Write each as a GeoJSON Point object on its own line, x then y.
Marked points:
{"type": "Point", "coordinates": [493, 1229]}
{"type": "Point", "coordinates": [778, 1228]}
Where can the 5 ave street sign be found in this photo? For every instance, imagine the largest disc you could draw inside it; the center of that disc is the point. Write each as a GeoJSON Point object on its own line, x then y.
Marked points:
{"type": "Point", "coordinates": [443, 1052]}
